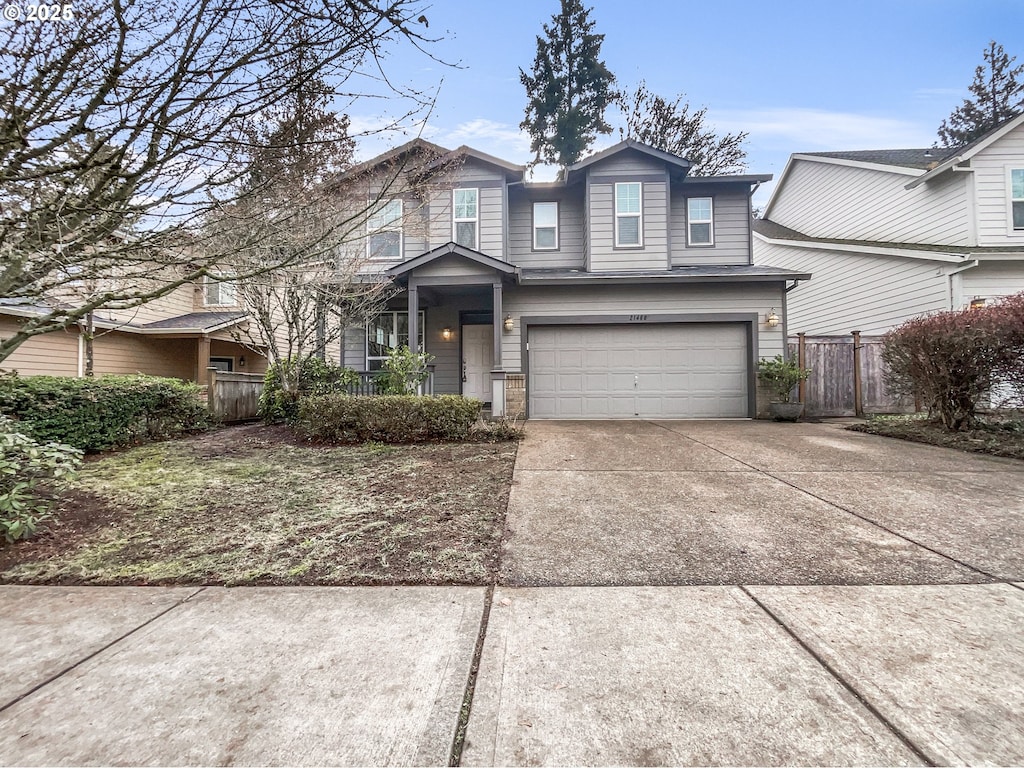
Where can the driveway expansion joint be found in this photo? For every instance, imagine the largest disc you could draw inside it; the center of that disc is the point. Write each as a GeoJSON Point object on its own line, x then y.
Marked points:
{"type": "Point", "coordinates": [462, 723]}
{"type": "Point", "coordinates": [98, 651]}
{"type": "Point", "coordinates": [991, 577]}
{"type": "Point", "coordinates": [846, 684]}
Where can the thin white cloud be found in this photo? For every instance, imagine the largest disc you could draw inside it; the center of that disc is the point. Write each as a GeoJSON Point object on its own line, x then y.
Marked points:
{"type": "Point", "coordinates": [501, 139]}
{"type": "Point", "coordinates": [806, 130]}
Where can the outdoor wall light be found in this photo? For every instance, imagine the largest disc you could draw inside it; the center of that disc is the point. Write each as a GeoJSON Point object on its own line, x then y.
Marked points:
{"type": "Point", "coordinates": [446, 334]}
{"type": "Point", "coordinates": [508, 324]}
{"type": "Point", "coordinates": [771, 319]}
{"type": "Point", "coordinates": [241, 361]}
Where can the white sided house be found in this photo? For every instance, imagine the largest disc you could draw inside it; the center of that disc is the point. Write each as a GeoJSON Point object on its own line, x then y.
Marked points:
{"type": "Point", "coordinates": [625, 290]}
{"type": "Point", "coordinates": [893, 234]}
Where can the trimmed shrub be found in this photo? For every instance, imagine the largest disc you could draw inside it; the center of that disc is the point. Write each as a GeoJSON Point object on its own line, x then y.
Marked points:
{"type": "Point", "coordinates": [951, 360]}
{"type": "Point", "coordinates": [338, 418]}
{"type": "Point", "coordinates": [29, 473]}
{"type": "Point", "coordinates": [102, 413]}
{"type": "Point", "coordinates": [287, 381]}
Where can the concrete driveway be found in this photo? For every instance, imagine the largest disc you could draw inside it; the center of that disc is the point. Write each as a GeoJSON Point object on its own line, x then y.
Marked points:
{"type": "Point", "coordinates": [673, 593]}
{"type": "Point", "coordinates": [688, 503]}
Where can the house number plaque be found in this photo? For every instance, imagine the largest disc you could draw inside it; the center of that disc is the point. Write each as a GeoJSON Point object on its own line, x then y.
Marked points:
{"type": "Point", "coordinates": [633, 318]}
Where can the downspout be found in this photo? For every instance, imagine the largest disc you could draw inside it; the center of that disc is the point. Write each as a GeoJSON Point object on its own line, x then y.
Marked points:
{"type": "Point", "coordinates": [954, 277]}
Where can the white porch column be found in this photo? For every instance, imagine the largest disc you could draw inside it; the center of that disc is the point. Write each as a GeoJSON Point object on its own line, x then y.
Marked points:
{"type": "Point", "coordinates": [498, 326]}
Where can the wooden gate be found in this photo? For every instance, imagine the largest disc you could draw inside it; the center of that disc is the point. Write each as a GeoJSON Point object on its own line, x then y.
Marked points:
{"type": "Point", "coordinates": [234, 396]}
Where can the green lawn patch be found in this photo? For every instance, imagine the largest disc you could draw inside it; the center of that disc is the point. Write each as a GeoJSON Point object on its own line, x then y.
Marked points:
{"type": "Point", "coordinates": [252, 505]}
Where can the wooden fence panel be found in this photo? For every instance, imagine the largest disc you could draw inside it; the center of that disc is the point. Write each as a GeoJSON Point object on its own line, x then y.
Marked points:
{"type": "Point", "coordinates": [234, 396]}
{"type": "Point", "coordinates": [830, 389]}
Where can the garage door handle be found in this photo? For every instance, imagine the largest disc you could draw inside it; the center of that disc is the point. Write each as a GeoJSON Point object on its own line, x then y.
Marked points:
{"type": "Point", "coordinates": [636, 382]}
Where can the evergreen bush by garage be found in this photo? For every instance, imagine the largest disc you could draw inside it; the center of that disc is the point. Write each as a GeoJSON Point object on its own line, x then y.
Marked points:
{"type": "Point", "coordinates": [101, 413]}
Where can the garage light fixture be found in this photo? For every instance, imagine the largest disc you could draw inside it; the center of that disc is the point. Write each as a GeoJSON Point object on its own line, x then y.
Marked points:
{"type": "Point", "coordinates": [771, 319]}
{"type": "Point", "coordinates": [508, 324]}
{"type": "Point", "coordinates": [446, 334]}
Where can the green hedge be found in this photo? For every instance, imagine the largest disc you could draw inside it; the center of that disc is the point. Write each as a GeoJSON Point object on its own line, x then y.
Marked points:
{"type": "Point", "coordinates": [339, 418]}
{"type": "Point", "coordinates": [101, 413]}
{"type": "Point", "coordinates": [307, 376]}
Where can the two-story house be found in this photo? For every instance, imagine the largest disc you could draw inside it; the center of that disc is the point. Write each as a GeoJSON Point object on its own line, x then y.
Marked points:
{"type": "Point", "coordinates": [625, 290]}
{"type": "Point", "coordinates": [894, 234]}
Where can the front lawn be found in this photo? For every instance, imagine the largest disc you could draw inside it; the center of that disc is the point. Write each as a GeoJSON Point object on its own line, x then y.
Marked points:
{"type": "Point", "coordinates": [252, 505]}
{"type": "Point", "coordinates": [997, 436]}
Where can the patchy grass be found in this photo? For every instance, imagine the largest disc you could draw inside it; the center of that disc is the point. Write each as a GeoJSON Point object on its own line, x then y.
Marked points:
{"type": "Point", "coordinates": [250, 505]}
{"type": "Point", "coordinates": [995, 435]}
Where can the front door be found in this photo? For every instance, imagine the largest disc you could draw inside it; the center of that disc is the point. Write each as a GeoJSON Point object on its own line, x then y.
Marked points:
{"type": "Point", "coordinates": [477, 360]}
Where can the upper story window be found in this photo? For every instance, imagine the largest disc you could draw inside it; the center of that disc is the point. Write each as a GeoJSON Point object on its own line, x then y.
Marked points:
{"type": "Point", "coordinates": [384, 227]}
{"type": "Point", "coordinates": [545, 226]}
{"type": "Point", "coordinates": [466, 218]}
{"type": "Point", "coordinates": [699, 221]}
{"type": "Point", "coordinates": [218, 293]}
{"type": "Point", "coordinates": [628, 217]}
{"type": "Point", "coordinates": [1017, 197]}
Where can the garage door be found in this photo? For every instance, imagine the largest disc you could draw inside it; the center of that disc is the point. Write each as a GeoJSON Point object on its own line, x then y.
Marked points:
{"type": "Point", "coordinates": [680, 370]}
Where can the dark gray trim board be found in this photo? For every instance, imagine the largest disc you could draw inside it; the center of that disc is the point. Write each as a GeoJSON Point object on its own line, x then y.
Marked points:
{"type": "Point", "coordinates": [749, 319]}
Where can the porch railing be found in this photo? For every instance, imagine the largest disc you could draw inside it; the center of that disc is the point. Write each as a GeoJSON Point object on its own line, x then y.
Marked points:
{"type": "Point", "coordinates": [367, 384]}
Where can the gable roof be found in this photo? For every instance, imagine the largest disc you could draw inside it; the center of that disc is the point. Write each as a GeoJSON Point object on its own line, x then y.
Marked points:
{"type": "Point", "coordinates": [416, 145]}
{"type": "Point", "coordinates": [918, 159]}
{"type": "Point", "coordinates": [516, 171]}
{"type": "Point", "coordinates": [403, 269]}
{"type": "Point", "coordinates": [679, 163]}
{"type": "Point", "coordinates": [957, 156]}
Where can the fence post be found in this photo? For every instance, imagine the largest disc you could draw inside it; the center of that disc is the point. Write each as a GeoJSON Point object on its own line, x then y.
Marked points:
{"type": "Point", "coordinates": [211, 392]}
{"type": "Point", "coordinates": [801, 360]}
{"type": "Point", "coordinates": [858, 392]}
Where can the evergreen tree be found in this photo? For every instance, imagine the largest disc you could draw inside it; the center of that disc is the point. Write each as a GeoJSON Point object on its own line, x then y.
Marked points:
{"type": "Point", "coordinates": [569, 88]}
{"type": "Point", "coordinates": [672, 127]}
{"type": "Point", "coordinates": [998, 96]}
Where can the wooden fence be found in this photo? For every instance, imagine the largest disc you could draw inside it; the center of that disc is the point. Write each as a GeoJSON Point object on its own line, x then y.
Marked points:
{"type": "Point", "coordinates": [847, 376]}
{"type": "Point", "coordinates": [233, 396]}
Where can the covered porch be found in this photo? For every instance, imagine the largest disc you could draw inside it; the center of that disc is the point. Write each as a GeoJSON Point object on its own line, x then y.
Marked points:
{"type": "Point", "coordinates": [453, 301]}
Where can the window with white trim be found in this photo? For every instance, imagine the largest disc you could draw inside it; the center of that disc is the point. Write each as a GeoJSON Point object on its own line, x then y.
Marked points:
{"type": "Point", "coordinates": [384, 230]}
{"type": "Point", "coordinates": [700, 226]}
{"type": "Point", "coordinates": [629, 225]}
{"type": "Point", "coordinates": [218, 292]}
{"type": "Point", "coordinates": [545, 226]}
{"type": "Point", "coordinates": [388, 331]}
{"type": "Point", "coordinates": [466, 218]}
{"type": "Point", "coordinates": [1017, 197]}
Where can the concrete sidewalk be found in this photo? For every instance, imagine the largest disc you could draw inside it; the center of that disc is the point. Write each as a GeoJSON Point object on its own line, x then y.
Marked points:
{"type": "Point", "coordinates": [738, 594]}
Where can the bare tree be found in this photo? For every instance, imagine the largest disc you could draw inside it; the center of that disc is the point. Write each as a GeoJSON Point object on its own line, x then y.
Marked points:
{"type": "Point", "coordinates": [672, 126]}
{"type": "Point", "coordinates": [125, 129]}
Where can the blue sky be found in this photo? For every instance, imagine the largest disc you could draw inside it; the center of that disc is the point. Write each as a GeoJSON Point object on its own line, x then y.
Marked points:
{"type": "Point", "coordinates": [797, 76]}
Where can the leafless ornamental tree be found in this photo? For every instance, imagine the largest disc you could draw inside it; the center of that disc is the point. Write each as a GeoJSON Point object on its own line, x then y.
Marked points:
{"type": "Point", "coordinates": [125, 129]}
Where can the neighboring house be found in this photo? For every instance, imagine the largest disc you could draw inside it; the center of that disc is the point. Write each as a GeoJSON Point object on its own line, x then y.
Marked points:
{"type": "Point", "coordinates": [179, 335]}
{"type": "Point", "coordinates": [625, 290]}
{"type": "Point", "coordinates": [894, 234]}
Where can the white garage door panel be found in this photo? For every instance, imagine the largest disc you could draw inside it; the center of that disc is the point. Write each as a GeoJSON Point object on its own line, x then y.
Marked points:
{"type": "Point", "coordinates": [682, 370]}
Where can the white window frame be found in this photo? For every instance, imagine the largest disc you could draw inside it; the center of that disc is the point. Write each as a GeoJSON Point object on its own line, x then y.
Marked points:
{"type": "Point", "coordinates": [1009, 184]}
{"type": "Point", "coordinates": [475, 220]}
{"type": "Point", "coordinates": [710, 221]}
{"type": "Point", "coordinates": [535, 227]}
{"type": "Point", "coordinates": [379, 222]}
{"type": "Point", "coordinates": [638, 215]}
{"type": "Point", "coordinates": [394, 331]}
{"type": "Point", "coordinates": [227, 294]}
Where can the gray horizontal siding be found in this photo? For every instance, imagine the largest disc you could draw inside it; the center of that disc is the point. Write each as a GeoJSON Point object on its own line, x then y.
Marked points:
{"type": "Point", "coordinates": [992, 189]}
{"type": "Point", "coordinates": [577, 301]}
{"type": "Point", "coordinates": [731, 218]}
{"type": "Point", "coordinates": [570, 229]}
{"type": "Point", "coordinates": [603, 253]}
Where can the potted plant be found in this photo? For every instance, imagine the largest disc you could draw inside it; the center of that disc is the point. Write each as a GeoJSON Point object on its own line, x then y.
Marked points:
{"type": "Point", "coordinates": [780, 377]}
